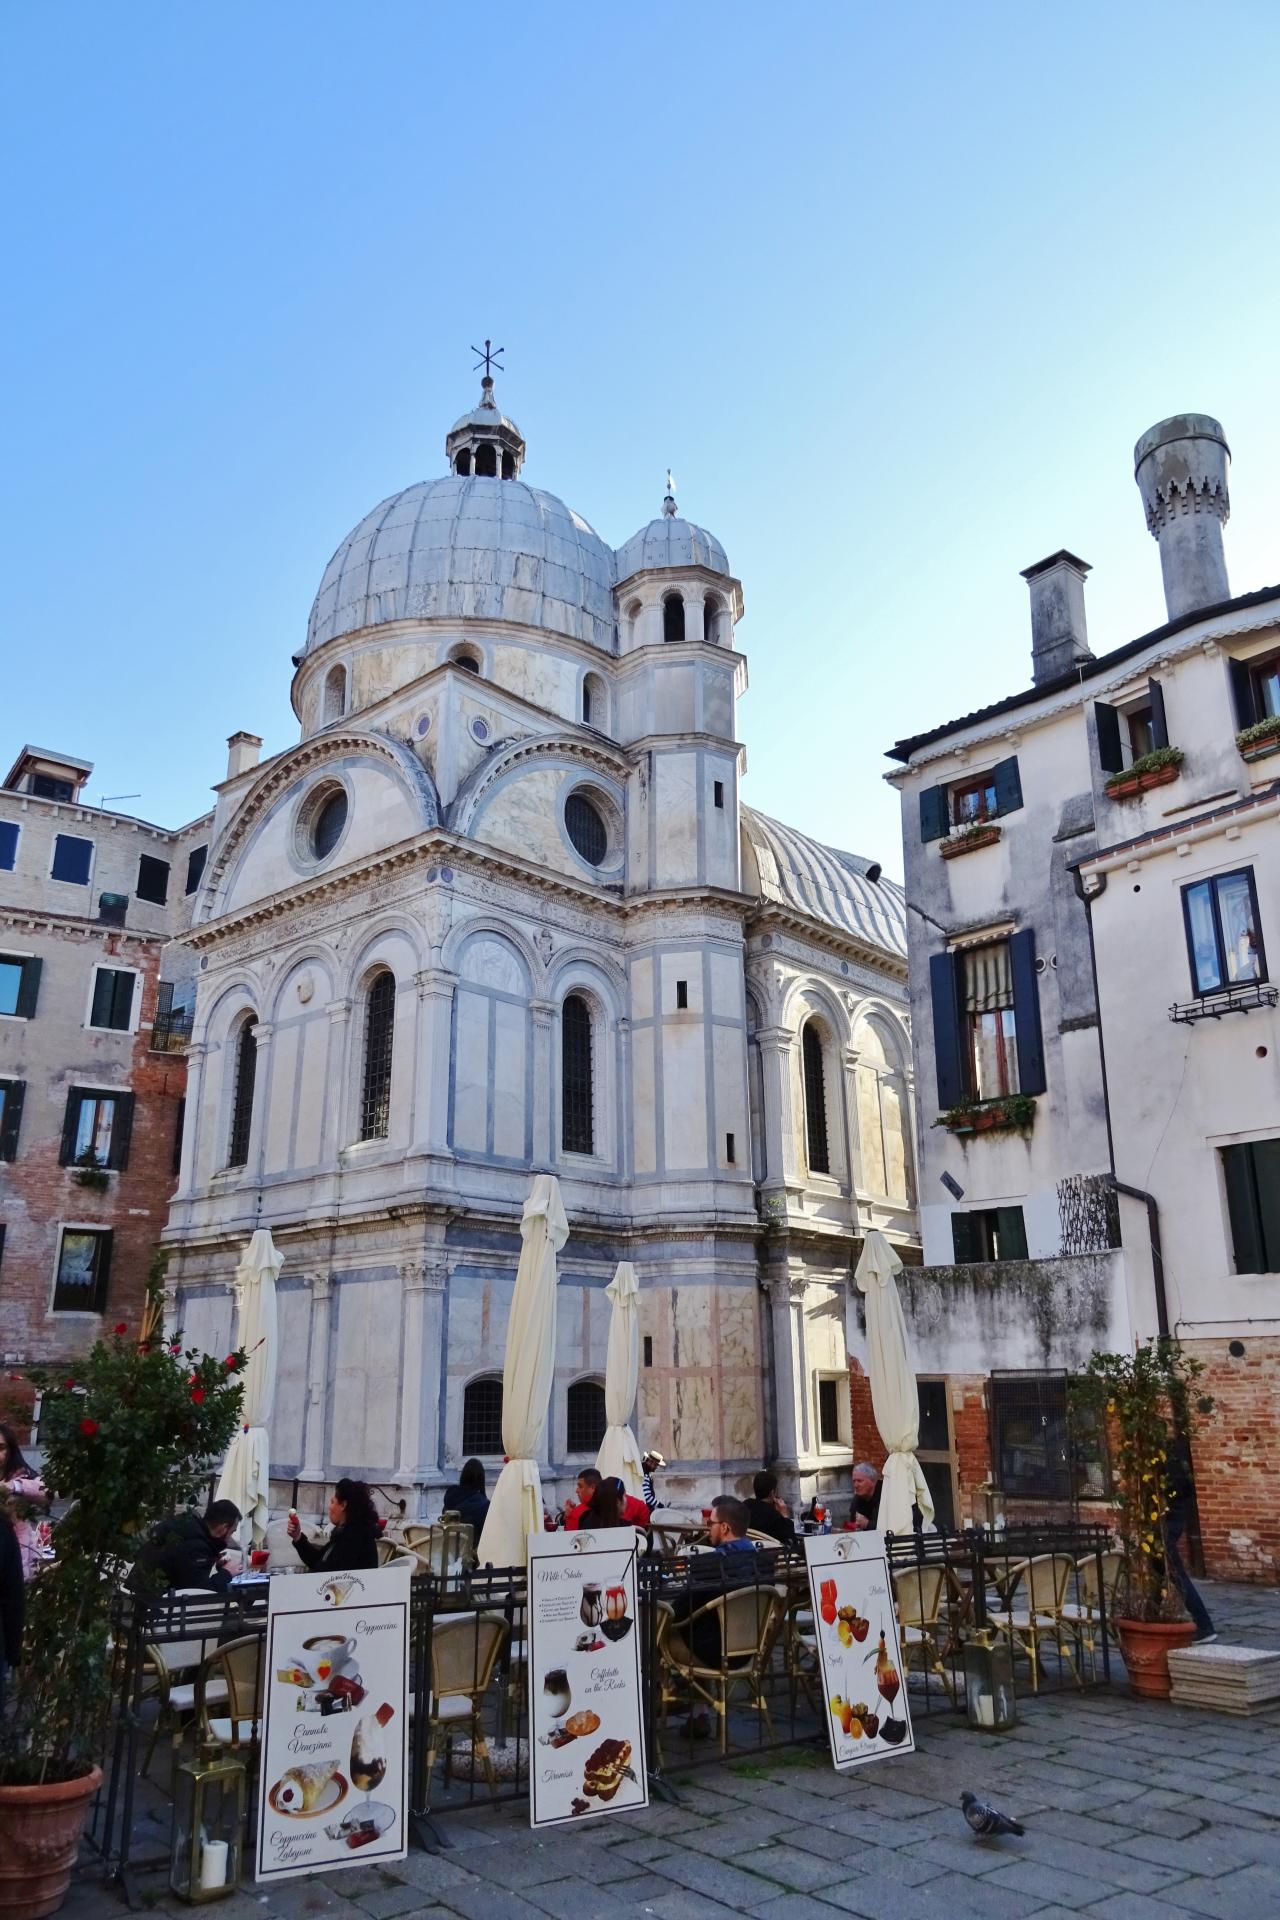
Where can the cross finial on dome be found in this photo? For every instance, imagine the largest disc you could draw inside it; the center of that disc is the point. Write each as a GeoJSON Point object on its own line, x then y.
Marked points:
{"type": "Point", "coordinates": [669, 499]}
{"type": "Point", "coordinates": [490, 357]}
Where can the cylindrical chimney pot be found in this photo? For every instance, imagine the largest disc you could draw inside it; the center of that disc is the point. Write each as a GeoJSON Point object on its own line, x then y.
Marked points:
{"type": "Point", "coordinates": [1181, 470]}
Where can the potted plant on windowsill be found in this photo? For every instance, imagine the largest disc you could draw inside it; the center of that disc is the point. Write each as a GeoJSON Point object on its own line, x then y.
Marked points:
{"type": "Point", "coordinates": [967, 839]}
{"type": "Point", "coordinates": [1155, 769]}
{"type": "Point", "coordinates": [1010, 1113]}
{"type": "Point", "coordinates": [1146, 1405]}
{"type": "Point", "coordinates": [129, 1433]}
{"type": "Point", "coordinates": [1261, 739]}
{"type": "Point", "coordinates": [89, 1172]}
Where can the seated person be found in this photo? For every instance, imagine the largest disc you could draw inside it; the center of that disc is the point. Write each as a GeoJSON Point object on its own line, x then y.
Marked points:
{"type": "Point", "coordinates": [733, 1562]}
{"type": "Point", "coordinates": [588, 1481]}
{"type": "Point", "coordinates": [353, 1543]}
{"type": "Point", "coordinates": [469, 1499]}
{"type": "Point", "coordinates": [767, 1511]}
{"type": "Point", "coordinates": [635, 1513]}
{"type": "Point", "coordinates": [186, 1551]}
{"type": "Point", "coordinates": [866, 1496]}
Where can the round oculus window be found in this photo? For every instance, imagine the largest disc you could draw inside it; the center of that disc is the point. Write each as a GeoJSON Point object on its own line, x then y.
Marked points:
{"type": "Point", "coordinates": [330, 819]}
{"type": "Point", "coordinates": [586, 829]}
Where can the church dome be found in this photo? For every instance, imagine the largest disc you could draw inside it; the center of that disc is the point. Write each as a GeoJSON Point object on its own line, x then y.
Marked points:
{"type": "Point", "coordinates": [671, 542]}
{"type": "Point", "coordinates": [469, 548]}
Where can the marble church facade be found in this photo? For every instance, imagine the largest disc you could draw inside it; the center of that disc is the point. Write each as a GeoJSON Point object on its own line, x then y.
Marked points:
{"type": "Point", "coordinates": [502, 910]}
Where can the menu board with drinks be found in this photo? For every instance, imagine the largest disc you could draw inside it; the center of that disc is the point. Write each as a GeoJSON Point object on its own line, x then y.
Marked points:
{"type": "Point", "coordinates": [335, 1724]}
{"type": "Point", "coordinates": [586, 1710]}
{"type": "Point", "coordinates": [859, 1660]}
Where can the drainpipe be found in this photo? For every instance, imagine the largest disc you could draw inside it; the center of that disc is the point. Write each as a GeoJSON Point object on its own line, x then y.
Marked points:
{"type": "Point", "coordinates": [1148, 1200]}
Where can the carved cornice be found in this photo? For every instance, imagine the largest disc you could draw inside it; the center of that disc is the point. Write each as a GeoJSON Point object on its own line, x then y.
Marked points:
{"type": "Point", "coordinates": [583, 751]}
{"type": "Point", "coordinates": [66, 926]}
{"type": "Point", "coordinates": [812, 941]}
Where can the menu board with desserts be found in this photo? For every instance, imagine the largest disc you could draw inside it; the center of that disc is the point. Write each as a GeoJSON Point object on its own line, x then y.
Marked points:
{"type": "Point", "coordinates": [860, 1666]}
{"type": "Point", "coordinates": [336, 1722]}
{"type": "Point", "coordinates": [586, 1713]}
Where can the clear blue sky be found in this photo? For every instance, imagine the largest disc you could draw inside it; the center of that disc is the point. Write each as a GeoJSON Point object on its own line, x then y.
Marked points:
{"type": "Point", "coordinates": [893, 290]}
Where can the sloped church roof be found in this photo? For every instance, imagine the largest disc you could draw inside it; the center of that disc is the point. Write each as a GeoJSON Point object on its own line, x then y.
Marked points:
{"type": "Point", "coordinates": [823, 883]}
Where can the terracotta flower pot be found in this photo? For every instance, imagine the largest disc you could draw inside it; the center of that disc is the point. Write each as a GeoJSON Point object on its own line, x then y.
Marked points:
{"type": "Point", "coordinates": [40, 1829]}
{"type": "Point", "coordinates": [1146, 1646]}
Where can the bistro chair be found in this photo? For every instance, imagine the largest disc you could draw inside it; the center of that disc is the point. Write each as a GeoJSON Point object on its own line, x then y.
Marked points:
{"type": "Point", "coordinates": [166, 1665]}
{"type": "Point", "coordinates": [392, 1554]}
{"type": "Point", "coordinates": [465, 1649]}
{"type": "Point", "coordinates": [749, 1619]}
{"type": "Point", "coordinates": [1044, 1580]}
{"type": "Point", "coordinates": [1086, 1613]}
{"type": "Point", "coordinates": [800, 1651]}
{"type": "Point", "coordinates": [918, 1595]}
{"type": "Point", "coordinates": [230, 1680]}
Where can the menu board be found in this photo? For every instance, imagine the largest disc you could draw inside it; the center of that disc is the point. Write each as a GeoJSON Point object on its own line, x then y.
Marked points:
{"type": "Point", "coordinates": [859, 1662]}
{"type": "Point", "coordinates": [335, 1727]}
{"type": "Point", "coordinates": [586, 1707]}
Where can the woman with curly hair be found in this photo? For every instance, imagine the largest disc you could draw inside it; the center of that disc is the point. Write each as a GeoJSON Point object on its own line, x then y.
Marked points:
{"type": "Point", "coordinates": [353, 1544]}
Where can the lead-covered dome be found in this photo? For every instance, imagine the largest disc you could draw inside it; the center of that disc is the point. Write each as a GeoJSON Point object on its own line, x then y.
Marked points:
{"type": "Point", "coordinates": [485, 549]}
{"type": "Point", "coordinates": [671, 542]}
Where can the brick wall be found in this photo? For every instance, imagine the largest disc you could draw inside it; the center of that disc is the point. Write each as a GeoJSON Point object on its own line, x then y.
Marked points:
{"type": "Point", "coordinates": [37, 1196]}
{"type": "Point", "coordinates": [1237, 1459]}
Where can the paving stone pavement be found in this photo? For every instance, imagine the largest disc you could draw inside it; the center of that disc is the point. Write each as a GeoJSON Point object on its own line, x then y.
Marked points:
{"type": "Point", "coordinates": [1134, 1812]}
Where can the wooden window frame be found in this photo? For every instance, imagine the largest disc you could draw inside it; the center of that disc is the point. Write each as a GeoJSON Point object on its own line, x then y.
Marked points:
{"type": "Point", "coordinates": [1212, 882]}
{"type": "Point", "coordinates": [104, 1239]}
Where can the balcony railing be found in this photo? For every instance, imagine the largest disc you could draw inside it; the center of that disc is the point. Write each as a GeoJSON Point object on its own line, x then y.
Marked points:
{"type": "Point", "coordinates": [171, 1028]}
{"type": "Point", "coordinates": [1242, 999]}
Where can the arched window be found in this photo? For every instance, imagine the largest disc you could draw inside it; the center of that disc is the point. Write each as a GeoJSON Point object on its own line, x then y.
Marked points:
{"type": "Point", "coordinates": [379, 1035]}
{"type": "Point", "coordinates": [463, 464]}
{"type": "Point", "coordinates": [242, 1099]}
{"type": "Point", "coordinates": [482, 1417]}
{"type": "Point", "coordinates": [815, 1099]}
{"type": "Point", "coordinates": [595, 711]}
{"type": "Point", "coordinates": [335, 694]}
{"type": "Point", "coordinates": [673, 617]}
{"type": "Point", "coordinates": [508, 466]}
{"type": "Point", "coordinates": [585, 1421]}
{"type": "Point", "coordinates": [710, 619]}
{"type": "Point", "coordinates": [487, 462]}
{"type": "Point", "coordinates": [469, 662]}
{"type": "Point", "coordinates": [576, 1135]}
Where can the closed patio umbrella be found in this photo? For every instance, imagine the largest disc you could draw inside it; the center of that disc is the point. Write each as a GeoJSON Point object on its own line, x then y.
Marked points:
{"type": "Point", "coordinates": [895, 1397]}
{"type": "Point", "coordinates": [516, 1508]}
{"type": "Point", "coordinates": [245, 1476]}
{"type": "Point", "coordinates": [619, 1455]}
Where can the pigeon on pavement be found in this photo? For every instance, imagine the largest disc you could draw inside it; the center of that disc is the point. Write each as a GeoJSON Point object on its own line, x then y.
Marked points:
{"type": "Point", "coordinates": [987, 1820]}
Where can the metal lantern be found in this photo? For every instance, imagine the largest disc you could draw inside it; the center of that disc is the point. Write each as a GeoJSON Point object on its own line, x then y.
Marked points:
{"type": "Point", "coordinates": [988, 1507]}
{"type": "Point", "coordinates": [208, 1819]}
{"type": "Point", "coordinates": [988, 1682]}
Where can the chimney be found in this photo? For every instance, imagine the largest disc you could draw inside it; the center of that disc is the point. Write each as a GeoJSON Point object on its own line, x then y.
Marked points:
{"type": "Point", "coordinates": [1059, 633]}
{"type": "Point", "coordinates": [1181, 470]}
{"type": "Point", "coordinates": [243, 750]}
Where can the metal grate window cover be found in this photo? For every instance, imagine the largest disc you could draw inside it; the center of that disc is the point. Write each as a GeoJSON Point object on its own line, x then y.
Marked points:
{"type": "Point", "coordinates": [585, 1422]}
{"type": "Point", "coordinates": [815, 1101]}
{"type": "Point", "coordinates": [242, 1105]}
{"type": "Point", "coordinates": [330, 821]}
{"type": "Point", "coordinates": [379, 1037]}
{"type": "Point", "coordinates": [585, 828]}
{"type": "Point", "coordinates": [482, 1417]}
{"type": "Point", "coordinates": [1035, 1453]}
{"type": "Point", "coordinates": [576, 1129]}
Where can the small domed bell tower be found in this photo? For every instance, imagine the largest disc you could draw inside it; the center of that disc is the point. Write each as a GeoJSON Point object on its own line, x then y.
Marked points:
{"type": "Point", "coordinates": [484, 444]}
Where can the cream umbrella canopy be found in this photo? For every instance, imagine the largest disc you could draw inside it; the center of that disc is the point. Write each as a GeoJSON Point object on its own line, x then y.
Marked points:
{"type": "Point", "coordinates": [516, 1508]}
{"type": "Point", "coordinates": [895, 1398]}
{"type": "Point", "coordinates": [619, 1455]}
{"type": "Point", "coordinates": [245, 1476]}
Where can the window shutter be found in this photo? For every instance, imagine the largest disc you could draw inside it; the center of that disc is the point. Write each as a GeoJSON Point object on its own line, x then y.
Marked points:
{"type": "Point", "coordinates": [153, 879]}
{"type": "Point", "coordinates": [102, 1273]}
{"type": "Point", "coordinates": [934, 824]}
{"type": "Point", "coordinates": [29, 989]}
{"type": "Point", "coordinates": [948, 1030]}
{"type": "Point", "coordinates": [195, 867]}
{"type": "Point", "coordinates": [1246, 1241]}
{"type": "Point", "coordinates": [1008, 784]}
{"type": "Point", "coordinates": [1242, 693]}
{"type": "Point", "coordinates": [122, 1001]}
{"type": "Point", "coordinates": [1011, 1234]}
{"type": "Point", "coordinates": [963, 1238]}
{"type": "Point", "coordinates": [71, 1120]}
{"type": "Point", "coordinates": [11, 1119]}
{"type": "Point", "coordinates": [103, 992]}
{"type": "Point", "coordinates": [121, 1130]}
{"type": "Point", "coordinates": [1159, 724]}
{"type": "Point", "coordinates": [179, 1121]}
{"type": "Point", "coordinates": [1110, 753]}
{"type": "Point", "coordinates": [1026, 1011]}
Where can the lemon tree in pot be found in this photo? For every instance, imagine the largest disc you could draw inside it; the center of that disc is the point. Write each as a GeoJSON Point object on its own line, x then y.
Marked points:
{"type": "Point", "coordinates": [129, 1432]}
{"type": "Point", "coordinates": [1146, 1405]}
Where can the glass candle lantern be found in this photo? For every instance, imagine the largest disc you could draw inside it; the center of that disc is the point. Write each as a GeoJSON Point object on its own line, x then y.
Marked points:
{"type": "Point", "coordinates": [988, 1682]}
{"type": "Point", "coordinates": [208, 1819]}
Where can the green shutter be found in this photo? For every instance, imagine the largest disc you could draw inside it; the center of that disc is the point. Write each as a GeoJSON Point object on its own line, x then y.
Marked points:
{"type": "Point", "coordinates": [1242, 692]}
{"type": "Point", "coordinates": [1266, 1174]}
{"type": "Point", "coordinates": [949, 1035]}
{"type": "Point", "coordinates": [29, 989]}
{"type": "Point", "coordinates": [1011, 1234]}
{"type": "Point", "coordinates": [1008, 785]}
{"type": "Point", "coordinates": [1110, 752]}
{"type": "Point", "coordinates": [103, 991]}
{"type": "Point", "coordinates": [70, 1121]}
{"type": "Point", "coordinates": [934, 821]}
{"type": "Point", "coordinates": [12, 1094]}
{"type": "Point", "coordinates": [1026, 1011]}
{"type": "Point", "coordinates": [1242, 1209]}
{"type": "Point", "coordinates": [1159, 721]}
{"type": "Point", "coordinates": [963, 1238]}
{"type": "Point", "coordinates": [122, 1001]}
{"type": "Point", "coordinates": [102, 1271]}
{"type": "Point", "coordinates": [121, 1132]}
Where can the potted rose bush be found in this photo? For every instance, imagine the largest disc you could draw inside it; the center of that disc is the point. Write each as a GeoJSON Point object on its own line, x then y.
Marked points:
{"type": "Point", "coordinates": [129, 1432]}
{"type": "Point", "coordinates": [1145, 1402]}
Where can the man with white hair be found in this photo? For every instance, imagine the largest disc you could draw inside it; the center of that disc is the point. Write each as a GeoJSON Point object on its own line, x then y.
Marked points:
{"type": "Point", "coordinates": [866, 1496]}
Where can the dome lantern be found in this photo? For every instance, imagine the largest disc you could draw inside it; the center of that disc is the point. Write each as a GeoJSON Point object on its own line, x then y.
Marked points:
{"type": "Point", "coordinates": [484, 443]}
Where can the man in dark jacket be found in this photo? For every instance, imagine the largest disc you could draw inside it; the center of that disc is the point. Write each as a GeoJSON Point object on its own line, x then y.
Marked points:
{"type": "Point", "coordinates": [13, 1600]}
{"type": "Point", "coordinates": [866, 1496]}
{"type": "Point", "coordinates": [1182, 1494]}
{"type": "Point", "coordinates": [767, 1511]}
{"type": "Point", "coordinates": [186, 1550]}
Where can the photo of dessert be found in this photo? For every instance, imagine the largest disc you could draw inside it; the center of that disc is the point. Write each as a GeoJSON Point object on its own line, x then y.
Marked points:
{"type": "Point", "coordinates": [306, 1791]}
{"type": "Point", "coordinates": [607, 1768]}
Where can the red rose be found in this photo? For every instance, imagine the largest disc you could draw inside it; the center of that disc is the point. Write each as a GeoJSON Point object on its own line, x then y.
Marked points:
{"type": "Point", "coordinates": [231, 1363]}
{"type": "Point", "coordinates": [88, 1426]}
{"type": "Point", "coordinates": [69, 1385]}
{"type": "Point", "coordinates": [121, 1326]}
{"type": "Point", "coordinates": [197, 1394]}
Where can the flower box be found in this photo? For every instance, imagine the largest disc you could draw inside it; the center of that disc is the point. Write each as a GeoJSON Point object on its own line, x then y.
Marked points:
{"type": "Point", "coordinates": [968, 840]}
{"type": "Point", "coordinates": [1259, 742]}
{"type": "Point", "coordinates": [1155, 769]}
{"type": "Point", "coordinates": [1013, 1114]}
